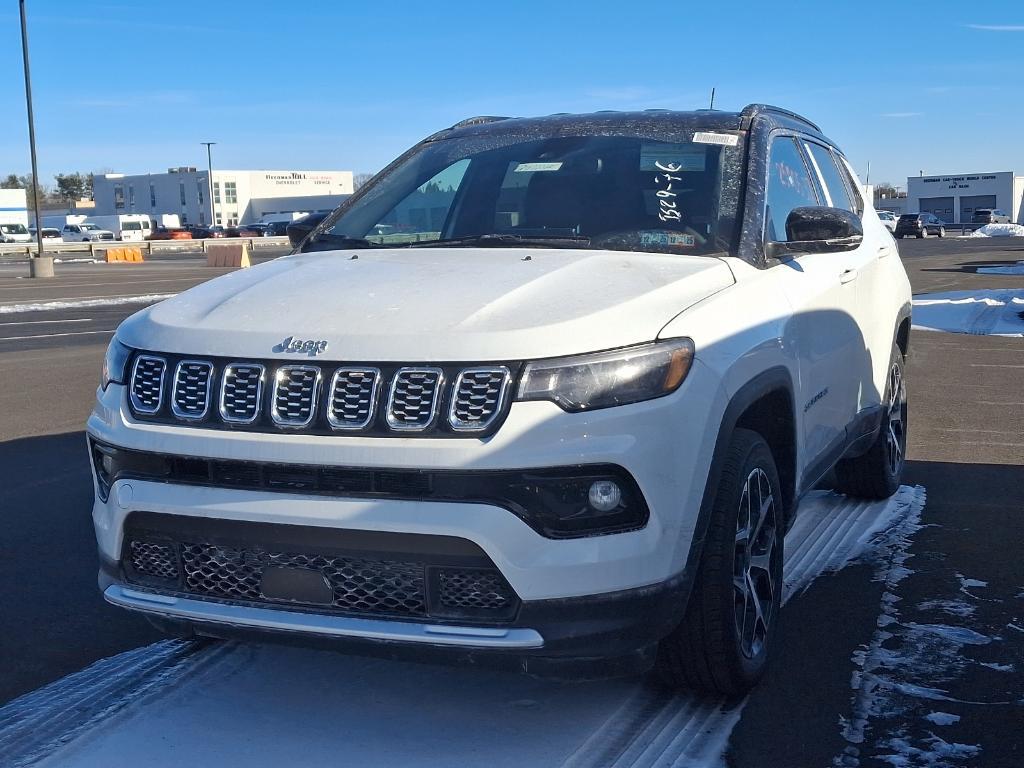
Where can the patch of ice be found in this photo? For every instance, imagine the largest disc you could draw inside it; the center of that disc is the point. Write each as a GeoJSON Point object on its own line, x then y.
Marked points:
{"type": "Point", "coordinates": [1008, 269]}
{"type": "Point", "coordinates": [942, 718]}
{"type": "Point", "coordinates": [960, 635]}
{"type": "Point", "coordinates": [997, 667]}
{"type": "Point", "coordinates": [952, 607]}
{"type": "Point", "coordinates": [994, 312]}
{"type": "Point", "coordinates": [936, 752]}
{"type": "Point", "coordinates": [112, 301]}
{"type": "Point", "coordinates": [1011, 625]}
{"type": "Point", "coordinates": [998, 230]}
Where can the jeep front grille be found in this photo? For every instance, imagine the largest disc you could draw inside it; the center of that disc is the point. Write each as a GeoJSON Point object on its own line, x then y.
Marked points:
{"type": "Point", "coordinates": [191, 389]}
{"type": "Point", "coordinates": [241, 392]}
{"type": "Point", "coordinates": [419, 583]}
{"type": "Point", "coordinates": [296, 388]}
{"type": "Point", "coordinates": [380, 399]}
{"type": "Point", "coordinates": [353, 397]}
{"type": "Point", "coordinates": [478, 397]}
{"type": "Point", "coordinates": [148, 383]}
{"type": "Point", "coordinates": [412, 405]}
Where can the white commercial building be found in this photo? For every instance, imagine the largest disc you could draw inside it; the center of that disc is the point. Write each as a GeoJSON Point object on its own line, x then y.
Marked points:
{"type": "Point", "coordinates": [238, 196]}
{"type": "Point", "coordinates": [13, 207]}
{"type": "Point", "coordinates": [954, 198]}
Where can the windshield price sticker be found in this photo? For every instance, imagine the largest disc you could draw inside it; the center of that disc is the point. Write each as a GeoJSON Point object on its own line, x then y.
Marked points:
{"type": "Point", "coordinates": [668, 239]}
{"type": "Point", "coordinates": [531, 167]}
{"type": "Point", "coordinates": [667, 209]}
{"type": "Point", "coordinates": [723, 139]}
{"type": "Point", "coordinates": [685, 156]}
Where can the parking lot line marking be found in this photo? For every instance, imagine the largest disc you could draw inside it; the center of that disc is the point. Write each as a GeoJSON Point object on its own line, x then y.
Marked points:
{"type": "Point", "coordinates": [41, 322]}
{"type": "Point", "coordinates": [995, 365]}
{"type": "Point", "coordinates": [53, 335]}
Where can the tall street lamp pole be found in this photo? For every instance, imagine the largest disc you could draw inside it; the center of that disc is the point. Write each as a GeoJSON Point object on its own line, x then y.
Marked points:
{"type": "Point", "coordinates": [209, 168]}
{"type": "Point", "coordinates": [40, 265]}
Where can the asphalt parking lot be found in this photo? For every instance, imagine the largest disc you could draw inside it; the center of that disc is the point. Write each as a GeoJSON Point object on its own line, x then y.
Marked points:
{"type": "Point", "coordinates": [962, 571]}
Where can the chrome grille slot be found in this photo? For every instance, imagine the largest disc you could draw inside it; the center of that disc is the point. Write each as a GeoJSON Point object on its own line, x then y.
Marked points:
{"type": "Point", "coordinates": [353, 397]}
{"type": "Point", "coordinates": [296, 388]}
{"type": "Point", "coordinates": [414, 398]}
{"type": "Point", "coordinates": [241, 392]}
{"type": "Point", "coordinates": [191, 398]}
{"type": "Point", "coordinates": [478, 398]}
{"type": "Point", "coordinates": [148, 383]}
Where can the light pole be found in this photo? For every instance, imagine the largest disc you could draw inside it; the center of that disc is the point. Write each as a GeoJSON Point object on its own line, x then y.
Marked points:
{"type": "Point", "coordinates": [39, 266]}
{"type": "Point", "coordinates": [209, 168]}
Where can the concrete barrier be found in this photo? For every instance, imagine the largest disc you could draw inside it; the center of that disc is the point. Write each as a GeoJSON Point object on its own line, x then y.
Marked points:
{"type": "Point", "coordinates": [123, 255]}
{"type": "Point", "coordinates": [228, 255]}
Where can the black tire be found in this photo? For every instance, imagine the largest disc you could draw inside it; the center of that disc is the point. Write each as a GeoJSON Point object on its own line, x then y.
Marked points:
{"type": "Point", "coordinates": [710, 649]}
{"type": "Point", "coordinates": [922, 233]}
{"type": "Point", "coordinates": [942, 231]}
{"type": "Point", "coordinates": [877, 474]}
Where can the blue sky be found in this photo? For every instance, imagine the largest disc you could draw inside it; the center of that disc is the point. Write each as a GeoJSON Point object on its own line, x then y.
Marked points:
{"type": "Point", "coordinates": [908, 86]}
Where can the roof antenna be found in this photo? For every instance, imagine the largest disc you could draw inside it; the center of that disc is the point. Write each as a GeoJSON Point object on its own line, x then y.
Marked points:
{"type": "Point", "coordinates": [712, 105]}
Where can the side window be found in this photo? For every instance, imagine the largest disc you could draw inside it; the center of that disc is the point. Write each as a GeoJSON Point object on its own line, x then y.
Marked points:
{"type": "Point", "coordinates": [421, 216]}
{"type": "Point", "coordinates": [835, 185]}
{"type": "Point", "coordinates": [789, 186]}
{"type": "Point", "coordinates": [852, 183]}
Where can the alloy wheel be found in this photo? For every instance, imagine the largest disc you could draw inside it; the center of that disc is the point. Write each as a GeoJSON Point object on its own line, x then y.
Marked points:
{"type": "Point", "coordinates": [896, 437]}
{"type": "Point", "coordinates": [754, 587]}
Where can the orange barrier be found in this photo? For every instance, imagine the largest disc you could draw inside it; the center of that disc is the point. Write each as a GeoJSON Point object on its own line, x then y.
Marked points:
{"type": "Point", "coordinates": [230, 255]}
{"type": "Point", "coordinates": [123, 255]}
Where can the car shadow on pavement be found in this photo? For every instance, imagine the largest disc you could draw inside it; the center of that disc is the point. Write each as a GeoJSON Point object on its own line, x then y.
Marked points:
{"type": "Point", "coordinates": [54, 620]}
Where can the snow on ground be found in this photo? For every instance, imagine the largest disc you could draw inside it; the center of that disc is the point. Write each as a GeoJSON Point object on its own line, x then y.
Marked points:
{"type": "Point", "coordinates": [230, 704]}
{"type": "Point", "coordinates": [1005, 269]}
{"type": "Point", "coordinates": [988, 312]}
{"type": "Point", "coordinates": [107, 301]}
{"type": "Point", "coordinates": [998, 230]}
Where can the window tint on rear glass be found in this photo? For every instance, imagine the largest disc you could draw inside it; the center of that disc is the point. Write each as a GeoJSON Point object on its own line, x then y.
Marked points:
{"type": "Point", "coordinates": [789, 187]}
{"type": "Point", "coordinates": [835, 185]}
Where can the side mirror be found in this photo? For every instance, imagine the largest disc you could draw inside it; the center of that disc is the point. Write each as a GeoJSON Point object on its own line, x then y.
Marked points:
{"type": "Point", "coordinates": [818, 229]}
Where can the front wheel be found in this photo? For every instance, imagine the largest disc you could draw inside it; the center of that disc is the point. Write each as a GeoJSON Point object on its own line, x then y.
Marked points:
{"type": "Point", "coordinates": [877, 474]}
{"type": "Point", "coordinates": [723, 642]}
{"type": "Point", "coordinates": [942, 231]}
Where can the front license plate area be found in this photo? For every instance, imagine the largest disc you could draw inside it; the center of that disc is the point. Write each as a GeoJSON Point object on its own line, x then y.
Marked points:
{"type": "Point", "coordinates": [298, 585]}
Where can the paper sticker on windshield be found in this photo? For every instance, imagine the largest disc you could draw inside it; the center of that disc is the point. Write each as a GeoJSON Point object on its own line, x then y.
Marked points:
{"type": "Point", "coordinates": [723, 139]}
{"type": "Point", "coordinates": [680, 157]}
{"type": "Point", "coordinates": [668, 239]}
{"type": "Point", "coordinates": [532, 167]}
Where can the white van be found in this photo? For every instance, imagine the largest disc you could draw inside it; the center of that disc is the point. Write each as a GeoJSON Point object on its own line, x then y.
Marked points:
{"type": "Point", "coordinates": [14, 233]}
{"type": "Point", "coordinates": [129, 227]}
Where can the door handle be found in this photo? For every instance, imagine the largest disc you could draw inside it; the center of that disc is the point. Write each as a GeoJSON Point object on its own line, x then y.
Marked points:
{"type": "Point", "coordinates": [883, 251]}
{"type": "Point", "coordinates": [848, 276]}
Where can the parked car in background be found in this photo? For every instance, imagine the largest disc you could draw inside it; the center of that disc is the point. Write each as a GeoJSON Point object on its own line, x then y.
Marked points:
{"type": "Point", "coordinates": [165, 233]}
{"type": "Point", "coordinates": [50, 234]}
{"type": "Point", "coordinates": [534, 422]}
{"type": "Point", "coordinates": [205, 233]}
{"type": "Point", "coordinates": [989, 216]}
{"type": "Point", "coordinates": [298, 229]}
{"type": "Point", "coordinates": [85, 232]}
{"type": "Point", "coordinates": [127, 227]}
{"type": "Point", "coordinates": [250, 230]}
{"type": "Point", "coordinates": [276, 229]}
{"type": "Point", "coordinates": [888, 218]}
{"type": "Point", "coordinates": [919, 225]}
{"type": "Point", "coordinates": [14, 233]}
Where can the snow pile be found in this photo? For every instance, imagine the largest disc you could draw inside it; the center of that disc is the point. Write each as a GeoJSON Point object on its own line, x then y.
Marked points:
{"type": "Point", "coordinates": [111, 301]}
{"type": "Point", "coordinates": [999, 230]}
{"type": "Point", "coordinates": [982, 312]}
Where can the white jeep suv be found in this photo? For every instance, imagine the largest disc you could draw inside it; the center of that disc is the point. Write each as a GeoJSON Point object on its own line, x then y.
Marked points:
{"type": "Point", "coordinates": [551, 388]}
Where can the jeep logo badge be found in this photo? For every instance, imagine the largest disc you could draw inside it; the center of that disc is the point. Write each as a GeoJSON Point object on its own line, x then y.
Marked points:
{"type": "Point", "coordinates": [309, 347]}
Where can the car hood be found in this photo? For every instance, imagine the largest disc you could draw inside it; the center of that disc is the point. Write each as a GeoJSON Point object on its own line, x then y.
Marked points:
{"type": "Point", "coordinates": [419, 305]}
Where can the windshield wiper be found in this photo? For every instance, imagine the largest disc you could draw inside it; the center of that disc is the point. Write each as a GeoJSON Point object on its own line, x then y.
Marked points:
{"type": "Point", "coordinates": [506, 240]}
{"type": "Point", "coordinates": [328, 240]}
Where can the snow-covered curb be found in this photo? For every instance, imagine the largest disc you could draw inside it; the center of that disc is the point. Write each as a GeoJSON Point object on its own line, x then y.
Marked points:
{"type": "Point", "coordinates": [113, 301]}
{"type": "Point", "coordinates": [996, 312]}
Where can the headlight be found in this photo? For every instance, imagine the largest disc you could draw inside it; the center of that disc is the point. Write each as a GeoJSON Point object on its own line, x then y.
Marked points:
{"type": "Point", "coordinates": [604, 379]}
{"type": "Point", "coordinates": [114, 364]}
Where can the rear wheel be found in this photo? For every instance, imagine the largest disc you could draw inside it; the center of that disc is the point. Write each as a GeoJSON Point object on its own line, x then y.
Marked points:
{"type": "Point", "coordinates": [723, 642]}
{"type": "Point", "coordinates": [876, 474]}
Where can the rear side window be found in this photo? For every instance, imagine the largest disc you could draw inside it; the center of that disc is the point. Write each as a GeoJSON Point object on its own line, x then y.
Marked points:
{"type": "Point", "coordinates": [835, 184]}
{"type": "Point", "coordinates": [789, 186]}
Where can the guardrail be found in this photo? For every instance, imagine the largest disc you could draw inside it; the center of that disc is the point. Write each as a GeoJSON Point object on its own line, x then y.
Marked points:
{"type": "Point", "coordinates": [98, 249]}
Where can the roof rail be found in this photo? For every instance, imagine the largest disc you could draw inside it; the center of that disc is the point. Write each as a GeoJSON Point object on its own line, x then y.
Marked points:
{"type": "Point", "coordinates": [479, 120]}
{"type": "Point", "coordinates": [752, 110]}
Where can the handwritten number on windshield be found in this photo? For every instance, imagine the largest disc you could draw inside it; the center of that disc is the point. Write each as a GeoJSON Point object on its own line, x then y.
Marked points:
{"type": "Point", "coordinates": [667, 210]}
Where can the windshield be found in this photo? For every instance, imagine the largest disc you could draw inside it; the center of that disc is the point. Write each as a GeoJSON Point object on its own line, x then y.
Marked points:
{"type": "Point", "coordinates": [90, 227]}
{"type": "Point", "coordinates": [614, 192]}
{"type": "Point", "coordinates": [13, 229]}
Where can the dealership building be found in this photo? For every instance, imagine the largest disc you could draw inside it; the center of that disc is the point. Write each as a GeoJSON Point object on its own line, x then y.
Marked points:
{"type": "Point", "coordinates": [954, 198]}
{"type": "Point", "coordinates": [238, 196]}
